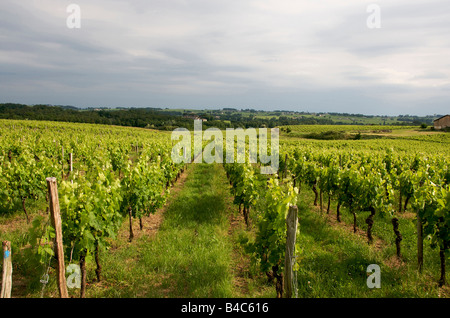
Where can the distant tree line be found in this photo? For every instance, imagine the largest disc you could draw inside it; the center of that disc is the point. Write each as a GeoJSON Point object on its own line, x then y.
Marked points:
{"type": "Point", "coordinates": [157, 118]}
{"type": "Point", "coordinates": [144, 117]}
{"type": "Point", "coordinates": [135, 117]}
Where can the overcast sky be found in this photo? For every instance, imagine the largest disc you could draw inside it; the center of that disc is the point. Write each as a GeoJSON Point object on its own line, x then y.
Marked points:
{"type": "Point", "coordinates": [304, 55]}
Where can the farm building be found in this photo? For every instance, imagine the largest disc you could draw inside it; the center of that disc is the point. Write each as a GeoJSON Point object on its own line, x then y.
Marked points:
{"type": "Point", "coordinates": [442, 122]}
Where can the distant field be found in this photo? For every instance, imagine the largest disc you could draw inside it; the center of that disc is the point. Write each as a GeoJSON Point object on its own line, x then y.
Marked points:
{"type": "Point", "coordinates": [335, 118]}
{"type": "Point", "coordinates": [344, 119]}
{"type": "Point", "coordinates": [398, 138]}
{"type": "Point", "coordinates": [347, 128]}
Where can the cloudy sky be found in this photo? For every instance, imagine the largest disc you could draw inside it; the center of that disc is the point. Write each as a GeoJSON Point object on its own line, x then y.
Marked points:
{"type": "Point", "coordinates": [304, 55]}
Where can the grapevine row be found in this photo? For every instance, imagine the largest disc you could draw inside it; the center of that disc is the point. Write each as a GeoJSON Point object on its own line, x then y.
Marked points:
{"type": "Point", "coordinates": [379, 182]}
{"type": "Point", "coordinates": [114, 176]}
{"type": "Point", "coordinates": [270, 199]}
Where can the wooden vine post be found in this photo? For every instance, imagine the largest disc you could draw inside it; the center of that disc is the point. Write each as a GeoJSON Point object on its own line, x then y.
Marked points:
{"type": "Point", "coordinates": [70, 163]}
{"type": "Point", "coordinates": [62, 163]}
{"type": "Point", "coordinates": [289, 259]}
{"type": "Point", "coordinates": [56, 223]}
{"type": "Point", "coordinates": [7, 271]}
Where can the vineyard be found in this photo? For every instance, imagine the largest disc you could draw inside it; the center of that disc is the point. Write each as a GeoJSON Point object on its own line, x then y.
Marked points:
{"type": "Point", "coordinates": [376, 195]}
{"type": "Point", "coordinates": [104, 176]}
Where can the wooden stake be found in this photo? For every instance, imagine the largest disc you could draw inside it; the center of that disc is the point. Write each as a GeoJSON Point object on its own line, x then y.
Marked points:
{"type": "Point", "coordinates": [62, 163]}
{"type": "Point", "coordinates": [285, 166]}
{"type": "Point", "coordinates": [70, 162]}
{"type": "Point", "coordinates": [289, 259]}
{"type": "Point", "coordinates": [131, 224]}
{"type": "Point", "coordinates": [56, 223]}
{"type": "Point", "coordinates": [321, 200]}
{"type": "Point", "coordinates": [7, 271]}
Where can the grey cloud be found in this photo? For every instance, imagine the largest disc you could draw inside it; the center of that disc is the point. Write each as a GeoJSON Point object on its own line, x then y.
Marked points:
{"type": "Point", "coordinates": [218, 53]}
{"type": "Point", "coordinates": [403, 27]}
